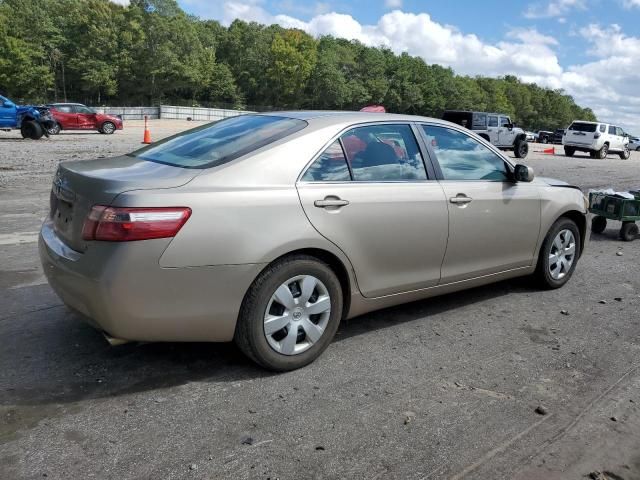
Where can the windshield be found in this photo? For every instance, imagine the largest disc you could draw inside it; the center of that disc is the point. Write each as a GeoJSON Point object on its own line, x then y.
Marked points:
{"type": "Point", "coordinates": [583, 127]}
{"type": "Point", "coordinates": [220, 142]}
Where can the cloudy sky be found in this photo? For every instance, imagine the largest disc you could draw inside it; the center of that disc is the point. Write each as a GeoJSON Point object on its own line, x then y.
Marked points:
{"type": "Point", "coordinates": [590, 48]}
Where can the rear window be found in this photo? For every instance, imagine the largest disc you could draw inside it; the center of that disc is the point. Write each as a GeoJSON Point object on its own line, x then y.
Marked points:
{"type": "Point", "coordinates": [220, 142]}
{"type": "Point", "coordinates": [583, 127]}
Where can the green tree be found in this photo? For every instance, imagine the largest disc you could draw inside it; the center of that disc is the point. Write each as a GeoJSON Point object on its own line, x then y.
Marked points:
{"type": "Point", "coordinates": [294, 56]}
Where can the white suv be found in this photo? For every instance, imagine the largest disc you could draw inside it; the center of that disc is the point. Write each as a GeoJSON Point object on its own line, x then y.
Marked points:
{"type": "Point", "coordinates": [597, 138]}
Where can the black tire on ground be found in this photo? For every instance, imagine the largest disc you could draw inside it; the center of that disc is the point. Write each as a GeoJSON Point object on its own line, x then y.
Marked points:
{"type": "Point", "coordinates": [629, 231]}
{"type": "Point", "coordinates": [598, 224]}
{"type": "Point", "coordinates": [542, 275]}
{"type": "Point", "coordinates": [602, 153]}
{"type": "Point", "coordinates": [625, 154]}
{"type": "Point", "coordinates": [545, 140]}
{"type": "Point", "coordinates": [569, 152]}
{"type": "Point", "coordinates": [521, 148]}
{"type": "Point", "coordinates": [55, 129]}
{"type": "Point", "coordinates": [108, 128]}
{"type": "Point", "coordinates": [31, 129]}
{"type": "Point", "coordinates": [250, 336]}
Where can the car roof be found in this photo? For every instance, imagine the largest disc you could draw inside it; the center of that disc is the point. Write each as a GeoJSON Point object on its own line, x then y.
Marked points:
{"type": "Point", "coordinates": [339, 117]}
{"type": "Point", "coordinates": [59, 104]}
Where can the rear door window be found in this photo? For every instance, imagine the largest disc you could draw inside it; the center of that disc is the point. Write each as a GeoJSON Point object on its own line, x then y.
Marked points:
{"type": "Point", "coordinates": [220, 142]}
{"type": "Point", "coordinates": [603, 128]}
{"type": "Point", "coordinates": [330, 166]}
{"type": "Point", "coordinates": [387, 152]}
{"type": "Point", "coordinates": [63, 108]}
{"type": "Point", "coordinates": [82, 109]}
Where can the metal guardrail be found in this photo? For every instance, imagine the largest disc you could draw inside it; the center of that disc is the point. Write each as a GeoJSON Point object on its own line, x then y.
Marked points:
{"type": "Point", "coordinates": [171, 112]}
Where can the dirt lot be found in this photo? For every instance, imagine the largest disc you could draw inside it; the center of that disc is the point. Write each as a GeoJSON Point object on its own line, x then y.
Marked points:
{"type": "Point", "coordinates": [444, 388]}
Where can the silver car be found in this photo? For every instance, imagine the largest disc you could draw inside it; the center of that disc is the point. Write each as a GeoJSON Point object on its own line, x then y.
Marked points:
{"type": "Point", "coordinates": [270, 229]}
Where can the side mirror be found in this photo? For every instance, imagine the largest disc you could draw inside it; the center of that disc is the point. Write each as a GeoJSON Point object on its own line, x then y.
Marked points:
{"type": "Point", "coordinates": [522, 173]}
{"type": "Point", "coordinates": [7, 104]}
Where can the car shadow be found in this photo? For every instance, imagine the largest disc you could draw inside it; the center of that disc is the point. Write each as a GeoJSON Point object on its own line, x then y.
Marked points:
{"type": "Point", "coordinates": [54, 358]}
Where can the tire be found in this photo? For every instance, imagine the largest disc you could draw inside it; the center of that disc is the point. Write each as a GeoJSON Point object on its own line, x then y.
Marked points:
{"type": "Point", "coordinates": [31, 129]}
{"type": "Point", "coordinates": [55, 130]}
{"type": "Point", "coordinates": [554, 275]}
{"type": "Point", "coordinates": [521, 148]}
{"type": "Point", "coordinates": [602, 153]}
{"type": "Point", "coordinates": [629, 231]}
{"type": "Point", "coordinates": [598, 224]}
{"type": "Point", "coordinates": [569, 152]}
{"type": "Point", "coordinates": [545, 140]}
{"type": "Point", "coordinates": [277, 350]}
{"type": "Point", "coordinates": [108, 128]}
{"type": "Point", "coordinates": [625, 154]}
{"type": "Point", "coordinates": [593, 154]}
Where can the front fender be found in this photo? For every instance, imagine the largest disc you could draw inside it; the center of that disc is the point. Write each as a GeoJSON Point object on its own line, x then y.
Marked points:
{"type": "Point", "coordinates": [559, 202]}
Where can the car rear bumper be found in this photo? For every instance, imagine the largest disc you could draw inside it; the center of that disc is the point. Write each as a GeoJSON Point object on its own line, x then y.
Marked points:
{"type": "Point", "coordinates": [580, 146]}
{"type": "Point", "coordinates": [121, 289]}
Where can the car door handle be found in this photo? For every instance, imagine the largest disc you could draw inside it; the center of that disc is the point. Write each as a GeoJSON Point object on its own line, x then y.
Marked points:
{"type": "Point", "coordinates": [331, 202]}
{"type": "Point", "coordinates": [460, 199]}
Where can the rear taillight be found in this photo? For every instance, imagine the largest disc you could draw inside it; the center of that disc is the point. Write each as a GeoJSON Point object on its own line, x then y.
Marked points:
{"type": "Point", "coordinates": [597, 135]}
{"type": "Point", "coordinates": [119, 224]}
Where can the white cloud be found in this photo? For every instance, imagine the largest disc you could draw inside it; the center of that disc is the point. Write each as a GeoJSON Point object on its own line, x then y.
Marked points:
{"type": "Point", "coordinates": [607, 83]}
{"type": "Point", "coordinates": [631, 3]}
{"type": "Point", "coordinates": [555, 8]}
{"type": "Point", "coordinates": [393, 3]}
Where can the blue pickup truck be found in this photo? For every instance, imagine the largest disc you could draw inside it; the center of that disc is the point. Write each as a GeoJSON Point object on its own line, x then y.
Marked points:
{"type": "Point", "coordinates": [33, 122]}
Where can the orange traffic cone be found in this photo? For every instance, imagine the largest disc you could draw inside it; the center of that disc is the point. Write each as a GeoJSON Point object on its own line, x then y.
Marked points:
{"type": "Point", "coordinates": [549, 151]}
{"type": "Point", "coordinates": [147, 133]}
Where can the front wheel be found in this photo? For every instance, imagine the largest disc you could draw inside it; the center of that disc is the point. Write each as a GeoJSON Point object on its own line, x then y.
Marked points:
{"type": "Point", "coordinates": [290, 314]}
{"type": "Point", "coordinates": [521, 148]}
{"type": "Point", "coordinates": [559, 254]}
{"type": "Point", "coordinates": [108, 128]}
{"type": "Point", "coordinates": [31, 129]}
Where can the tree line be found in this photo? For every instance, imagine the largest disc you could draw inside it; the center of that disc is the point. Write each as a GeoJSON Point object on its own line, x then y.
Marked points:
{"type": "Point", "coordinates": [151, 51]}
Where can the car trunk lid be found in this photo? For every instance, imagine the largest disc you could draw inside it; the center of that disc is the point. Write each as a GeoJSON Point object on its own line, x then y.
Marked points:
{"type": "Point", "coordinates": [79, 185]}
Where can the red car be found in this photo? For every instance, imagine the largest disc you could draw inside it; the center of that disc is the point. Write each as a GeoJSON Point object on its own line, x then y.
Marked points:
{"type": "Point", "coordinates": [75, 116]}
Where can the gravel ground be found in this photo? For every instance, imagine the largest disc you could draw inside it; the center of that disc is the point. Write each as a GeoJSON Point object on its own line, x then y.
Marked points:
{"type": "Point", "coordinates": [444, 388]}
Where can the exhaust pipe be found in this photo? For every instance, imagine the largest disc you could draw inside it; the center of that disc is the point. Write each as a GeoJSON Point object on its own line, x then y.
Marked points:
{"type": "Point", "coordinates": [114, 342]}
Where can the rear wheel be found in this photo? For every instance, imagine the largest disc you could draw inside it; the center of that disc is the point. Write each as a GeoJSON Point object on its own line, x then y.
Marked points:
{"type": "Point", "coordinates": [55, 129]}
{"type": "Point", "coordinates": [559, 254]}
{"type": "Point", "coordinates": [629, 231]}
{"type": "Point", "coordinates": [31, 129]}
{"type": "Point", "coordinates": [108, 128]}
{"type": "Point", "coordinates": [569, 152]}
{"type": "Point", "coordinates": [598, 224]}
{"type": "Point", "coordinates": [290, 314]}
{"type": "Point", "coordinates": [545, 140]}
{"type": "Point", "coordinates": [521, 148]}
{"type": "Point", "coordinates": [625, 154]}
{"type": "Point", "coordinates": [602, 153]}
